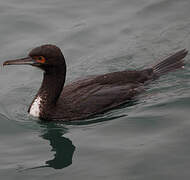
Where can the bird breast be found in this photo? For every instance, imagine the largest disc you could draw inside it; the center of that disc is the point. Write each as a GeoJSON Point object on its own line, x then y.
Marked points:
{"type": "Point", "coordinates": [35, 107]}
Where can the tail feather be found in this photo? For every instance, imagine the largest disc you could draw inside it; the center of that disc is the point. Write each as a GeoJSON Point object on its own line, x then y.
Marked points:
{"type": "Point", "coordinates": [171, 63]}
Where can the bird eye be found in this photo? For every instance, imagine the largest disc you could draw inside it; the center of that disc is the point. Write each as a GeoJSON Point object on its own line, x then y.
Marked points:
{"type": "Point", "coordinates": [40, 59]}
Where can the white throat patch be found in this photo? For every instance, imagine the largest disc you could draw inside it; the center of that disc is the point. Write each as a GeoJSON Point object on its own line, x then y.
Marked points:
{"type": "Point", "coordinates": [35, 107]}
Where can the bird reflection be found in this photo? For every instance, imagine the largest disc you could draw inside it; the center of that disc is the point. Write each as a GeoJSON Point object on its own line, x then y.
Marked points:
{"type": "Point", "coordinates": [62, 146]}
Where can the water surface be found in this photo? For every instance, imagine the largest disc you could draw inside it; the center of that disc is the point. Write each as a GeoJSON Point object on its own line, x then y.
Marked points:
{"type": "Point", "coordinates": [147, 140]}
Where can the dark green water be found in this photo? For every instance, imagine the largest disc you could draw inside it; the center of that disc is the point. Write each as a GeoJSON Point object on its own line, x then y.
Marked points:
{"type": "Point", "coordinates": [145, 141]}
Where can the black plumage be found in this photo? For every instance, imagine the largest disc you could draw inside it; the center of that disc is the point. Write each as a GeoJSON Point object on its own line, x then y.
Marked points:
{"type": "Point", "coordinates": [93, 95]}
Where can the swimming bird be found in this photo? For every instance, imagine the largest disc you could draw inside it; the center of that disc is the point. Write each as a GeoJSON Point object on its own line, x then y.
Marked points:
{"type": "Point", "coordinates": [89, 96]}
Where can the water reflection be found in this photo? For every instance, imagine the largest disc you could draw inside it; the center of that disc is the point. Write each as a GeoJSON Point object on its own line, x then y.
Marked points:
{"type": "Point", "coordinates": [61, 145]}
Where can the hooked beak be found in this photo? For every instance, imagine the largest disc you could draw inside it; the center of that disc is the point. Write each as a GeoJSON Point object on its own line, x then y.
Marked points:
{"type": "Point", "coordinates": [22, 61]}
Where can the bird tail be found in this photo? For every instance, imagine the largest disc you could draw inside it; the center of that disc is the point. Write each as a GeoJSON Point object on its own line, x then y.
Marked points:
{"type": "Point", "coordinates": [171, 63]}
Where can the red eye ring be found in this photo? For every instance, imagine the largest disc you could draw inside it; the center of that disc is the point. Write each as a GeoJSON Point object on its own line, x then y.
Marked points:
{"type": "Point", "coordinates": [40, 59]}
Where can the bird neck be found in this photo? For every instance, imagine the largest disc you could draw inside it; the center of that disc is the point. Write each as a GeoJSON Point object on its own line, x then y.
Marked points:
{"type": "Point", "coordinates": [49, 92]}
{"type": "Point", "coordinates": [51, 87]}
